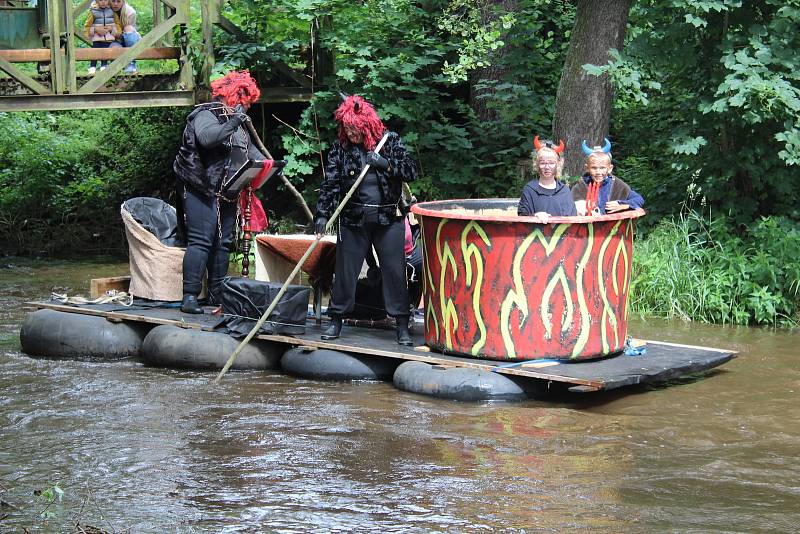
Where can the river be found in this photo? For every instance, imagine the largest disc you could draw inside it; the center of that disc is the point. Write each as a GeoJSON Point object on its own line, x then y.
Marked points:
{"type": "Point", "coordinates": [139, 449]}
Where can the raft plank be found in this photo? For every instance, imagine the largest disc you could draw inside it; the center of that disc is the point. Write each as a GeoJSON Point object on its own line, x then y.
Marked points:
{"type": "Point", "coordinates": [662, 361]}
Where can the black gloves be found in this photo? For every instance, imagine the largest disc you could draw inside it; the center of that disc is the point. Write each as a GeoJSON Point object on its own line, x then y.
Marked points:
{"type": "Point", "coordinates": [319, 225]}
{"type": "Point", "coordinates": [376, 160]}
{"type": "Point", "coordinates": [240, 114]}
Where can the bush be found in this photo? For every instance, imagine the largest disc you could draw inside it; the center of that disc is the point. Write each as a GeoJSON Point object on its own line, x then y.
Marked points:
{"type": "Point", "coordinates": [699, 269]}
{"type": "Point", "coordinates": [64, 175]}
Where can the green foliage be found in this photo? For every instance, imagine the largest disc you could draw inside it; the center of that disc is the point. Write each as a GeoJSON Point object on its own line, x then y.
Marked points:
{"type": "Point", "coordinates": [51, 495]}
{"type": "Point", "coordinates": [695, 268]}
{"type": "Point", "coordinates": [411, 60]}
{"type": "Point", "coordinates": [725, 111]}
{"type": "Point", "coordinates": [481, 33]}
{"type": "Point", "coordinates": [64, 175]}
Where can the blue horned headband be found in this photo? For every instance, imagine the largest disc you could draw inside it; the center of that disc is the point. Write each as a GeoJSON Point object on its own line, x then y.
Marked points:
{"type": "Point", "coordinates": [606, 148]}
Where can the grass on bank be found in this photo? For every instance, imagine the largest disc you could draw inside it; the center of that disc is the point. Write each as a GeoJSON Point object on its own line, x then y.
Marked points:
{"type": "Point", "coordinates": [696, 268]}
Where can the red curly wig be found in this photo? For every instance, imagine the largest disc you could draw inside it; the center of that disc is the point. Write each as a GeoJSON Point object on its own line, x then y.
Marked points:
{"type": "Point", "coordinates": [236, 87]}
{"type": "Point", "coordinates": [359, 114]}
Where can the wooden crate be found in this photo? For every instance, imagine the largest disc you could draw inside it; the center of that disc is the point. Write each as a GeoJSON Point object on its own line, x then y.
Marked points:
{"type": "Point", "coordinates": [99, 286]}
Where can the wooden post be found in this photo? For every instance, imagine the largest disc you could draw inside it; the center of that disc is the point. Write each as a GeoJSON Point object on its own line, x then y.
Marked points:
{"type": "Point", "coordinates": [70, 70]}
{"type": "Point", "coordinates": [56, 57]}
{"type": "Point", "coordinates": [247, 235]}
{"type": "Point", "coordinates": [208, 42]}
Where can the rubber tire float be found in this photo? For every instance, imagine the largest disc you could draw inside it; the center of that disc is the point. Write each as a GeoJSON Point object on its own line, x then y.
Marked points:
{"type": "Point", "coordinates": [184, 348]}
{"type": "Point", "coordinates": [456, 383]}
{"type": "Point", "coordinates": [324, 364]}
{"type": "Point", "coordinates": [55, 334]}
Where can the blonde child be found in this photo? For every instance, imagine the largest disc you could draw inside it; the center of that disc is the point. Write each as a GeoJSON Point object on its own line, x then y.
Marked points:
{"type": "Point", "coordinates": [101, 28]}
{"type": "Point", "coordinates": [598, 191]}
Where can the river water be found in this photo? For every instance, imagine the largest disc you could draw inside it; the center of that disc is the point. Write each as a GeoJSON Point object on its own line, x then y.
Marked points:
{"type": "Point", "coordinates": [138, 449]}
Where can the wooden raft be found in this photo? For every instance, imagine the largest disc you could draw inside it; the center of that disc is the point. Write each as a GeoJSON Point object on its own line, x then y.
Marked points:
{"type": "Point", "coordinates": [662, 361]}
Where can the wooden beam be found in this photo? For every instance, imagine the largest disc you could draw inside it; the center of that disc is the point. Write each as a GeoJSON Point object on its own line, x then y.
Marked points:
{"type": "Point", "coordinates": [51, 102]}
{"type": "Point", "coordinates": [23, 78]}
{"type": "Point", "coordinates": [129, 53]}
{"type": "Point", "coordinates": [270, 95]}
{"type": "Point", "coordinates": [42, 55]}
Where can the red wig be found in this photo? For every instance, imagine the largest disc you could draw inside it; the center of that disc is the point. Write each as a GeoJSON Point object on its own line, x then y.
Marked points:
{"type": "Point", "coordinates": [235, 88]}
{"type": "Point", "coordinates": [359, 114]}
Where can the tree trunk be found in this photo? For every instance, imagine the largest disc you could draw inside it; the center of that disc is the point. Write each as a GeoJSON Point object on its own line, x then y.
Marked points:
{"type": "Point", "coordinates": [583, 101]}
{"type": "Point", "coordinates": [478, 98]}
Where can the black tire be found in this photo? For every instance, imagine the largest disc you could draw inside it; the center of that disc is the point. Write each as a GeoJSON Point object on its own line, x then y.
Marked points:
{"type": "Point", "coordinates": [456, 383]}
{"type": "Point", "coordinates": [324, 364]}
{"type": "Point", "coordinates": [184, 348]}
{"type": "Point", "coordinates": [55, 334]}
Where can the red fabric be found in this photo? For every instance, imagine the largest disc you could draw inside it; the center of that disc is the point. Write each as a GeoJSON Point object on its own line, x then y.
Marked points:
{"type": "Point", "coordinates": [592, 193]}
{"type": "Point", "coordinates": [262, 175]}
{"type": "Point", "coordinates": [258, 216]}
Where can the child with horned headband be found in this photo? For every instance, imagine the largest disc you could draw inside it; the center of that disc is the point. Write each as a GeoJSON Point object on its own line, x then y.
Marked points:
{"type": "Point", "coordinates": [546, 196]}
{"type": "Point", "coordinates": [598, 191]}
{"type": "Point", "coordinates": [372, 217]}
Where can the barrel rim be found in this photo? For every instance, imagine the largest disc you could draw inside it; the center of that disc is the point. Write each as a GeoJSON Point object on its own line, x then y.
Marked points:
{"type": "Point", "coordinates": [428, 209]}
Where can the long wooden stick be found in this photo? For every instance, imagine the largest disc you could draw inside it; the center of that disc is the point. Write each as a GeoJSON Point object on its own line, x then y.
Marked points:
{"type": "Point", "coordinates": [300, 200]}
{"type": "Point", "coordinates": [297, 267]}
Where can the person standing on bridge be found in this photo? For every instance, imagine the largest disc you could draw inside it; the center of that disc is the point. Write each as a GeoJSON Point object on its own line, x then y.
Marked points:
{"type": "Point", "coordinates": [101, 26]}
{"type": "Point", "coordinates": [214, 137]}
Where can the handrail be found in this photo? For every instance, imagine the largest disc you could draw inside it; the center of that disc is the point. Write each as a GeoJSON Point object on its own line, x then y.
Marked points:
{"type": "Point", "coordinates": [42, 55]}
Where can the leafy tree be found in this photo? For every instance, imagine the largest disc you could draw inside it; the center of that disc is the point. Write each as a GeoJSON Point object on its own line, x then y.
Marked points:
{"type": "Point", "coordinates": [709, 92]}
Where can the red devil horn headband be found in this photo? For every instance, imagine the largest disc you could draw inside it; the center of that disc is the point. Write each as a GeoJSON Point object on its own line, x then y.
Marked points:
{"type": "Point", "coordinates": [548, 144]}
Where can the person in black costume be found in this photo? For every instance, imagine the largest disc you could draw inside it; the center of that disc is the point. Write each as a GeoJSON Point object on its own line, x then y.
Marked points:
{"type": "Point", "coordinates": [214, 144]}
{"type": "Point", "coordinates": [371, 217]}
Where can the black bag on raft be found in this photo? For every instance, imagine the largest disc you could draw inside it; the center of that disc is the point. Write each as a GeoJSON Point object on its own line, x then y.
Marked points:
{"type": "Point", "coordinates": [244, 301]}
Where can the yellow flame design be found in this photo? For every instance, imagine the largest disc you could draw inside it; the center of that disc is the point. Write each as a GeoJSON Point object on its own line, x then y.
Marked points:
{"type": "Point", "coordinates": [468, 252]}
{"type": "Point", "coordinates": [516, 297]}
{"type": "Point", "coordinates": [449, 316]}
{"type": "Point", "coordinates": [586, 319]}
{"type": "Point", "coordinates": [607, 311]}
{"type": "Point", "coordinates": [566, 319]}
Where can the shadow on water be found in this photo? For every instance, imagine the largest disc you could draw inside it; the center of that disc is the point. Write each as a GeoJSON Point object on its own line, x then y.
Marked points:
{"type": "Point", "coordinates": [153, 450]}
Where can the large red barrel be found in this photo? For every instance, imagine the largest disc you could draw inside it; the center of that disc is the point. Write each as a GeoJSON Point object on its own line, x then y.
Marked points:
{"type": "Point", "coordinates": [504, 287]}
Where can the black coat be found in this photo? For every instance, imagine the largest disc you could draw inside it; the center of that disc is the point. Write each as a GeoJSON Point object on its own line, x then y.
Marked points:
{"type": "Point", "coordinates": [205, 152]}
{"type": "Point", "coordinates": [343, 168]}
{"type": "Point", "coordinates": [556, 202]}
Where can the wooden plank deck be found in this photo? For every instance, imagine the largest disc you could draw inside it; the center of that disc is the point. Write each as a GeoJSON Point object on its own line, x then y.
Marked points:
{"type": "Point", "coordinates": [662, 361]}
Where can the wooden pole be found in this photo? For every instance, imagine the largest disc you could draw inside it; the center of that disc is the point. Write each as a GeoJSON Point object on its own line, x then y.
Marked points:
{"type": "Point", "coordinates": [247, 234]}
{"type": "Point", "coordinates": [300, 200]}
{"type": "Point", "coordinates": [297, 267]}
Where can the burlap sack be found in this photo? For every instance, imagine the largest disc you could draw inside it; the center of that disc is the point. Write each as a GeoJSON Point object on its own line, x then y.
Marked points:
{"type": "Point", "coordinates": [156, 269]}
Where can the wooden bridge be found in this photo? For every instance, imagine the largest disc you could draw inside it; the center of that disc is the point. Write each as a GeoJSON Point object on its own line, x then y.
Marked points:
{"type": "Point", "coordinates": [26, 39]}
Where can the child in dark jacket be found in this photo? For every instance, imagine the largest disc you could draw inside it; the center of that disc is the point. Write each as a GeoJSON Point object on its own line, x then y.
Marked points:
{"type": "Point", "coordinates": [546, 195]}
{"type": "Point", "coordinates": [598, 191]}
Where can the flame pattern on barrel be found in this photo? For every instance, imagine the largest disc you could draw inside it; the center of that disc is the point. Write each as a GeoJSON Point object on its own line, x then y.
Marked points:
{"type": "Point", "coordinates": [503, 287]}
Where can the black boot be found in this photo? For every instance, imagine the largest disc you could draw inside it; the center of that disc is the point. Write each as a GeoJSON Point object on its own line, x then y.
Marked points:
{"type": "Point", "coordinates": [333, 331]}
{"type": "Point", "coordinates": [189, 304]}
{"type": "Point", "coordinates": [403, 335]}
